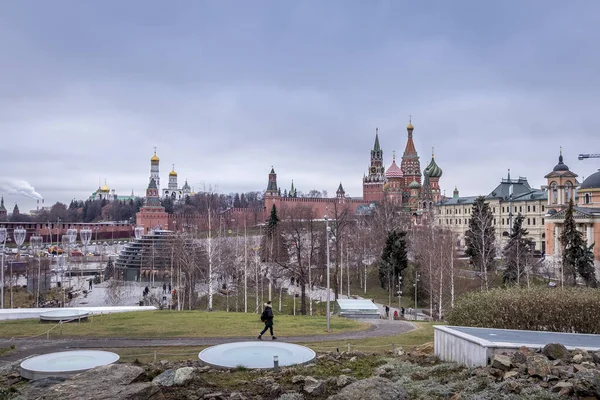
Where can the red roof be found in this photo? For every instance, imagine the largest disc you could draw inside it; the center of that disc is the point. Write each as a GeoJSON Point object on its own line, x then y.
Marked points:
{"type": "Point", "coordinates": [394, 171]}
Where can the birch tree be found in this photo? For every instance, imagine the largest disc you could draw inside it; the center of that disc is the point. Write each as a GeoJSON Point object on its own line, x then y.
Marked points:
{"type": "Point", "coordinates": [480, 240]}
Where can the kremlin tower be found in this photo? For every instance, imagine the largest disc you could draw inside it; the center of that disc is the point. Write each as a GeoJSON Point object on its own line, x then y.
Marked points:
{"type": "Point", "coordinates": [374, 181]}
{"type": "Point", "coordinates": [154, 172]}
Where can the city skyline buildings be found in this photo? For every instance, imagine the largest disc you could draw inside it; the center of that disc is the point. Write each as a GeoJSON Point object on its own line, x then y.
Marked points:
{"type": "Point", "coordinates": [226, 90]}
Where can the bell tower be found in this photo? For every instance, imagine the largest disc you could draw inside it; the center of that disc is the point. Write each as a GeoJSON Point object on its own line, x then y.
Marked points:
{"type": "Point", "coordinates": [375, 179]}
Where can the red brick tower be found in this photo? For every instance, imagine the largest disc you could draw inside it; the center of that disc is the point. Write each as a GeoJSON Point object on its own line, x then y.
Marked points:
{"type": "Point", "coordinates": [152, 215]}
{"type": "Point", "coordinates": [410, 166]}
{"type": "Point", "coordinates": [374, 181]}
{"type": "Point", "coordinates": [273, 194]}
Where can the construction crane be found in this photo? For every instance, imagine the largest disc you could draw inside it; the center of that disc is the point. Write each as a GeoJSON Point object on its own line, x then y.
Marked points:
{"type": "Point", "coordinates": [584, 156]}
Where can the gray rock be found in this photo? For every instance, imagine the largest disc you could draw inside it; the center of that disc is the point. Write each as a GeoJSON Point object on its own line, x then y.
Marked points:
{"type": "Point", "coordinates": [344, 380]}
{"type": "Point", "coordinates": [184, 375]}
{"type": "Point", "coordinates": [578, 358]}
{"type": "Point", "coordinates": [116, 381]}
{"type": "Point", "coordinates": [587, 383]}
{"type": "Point", "coordinates": [275, 389]}
{"type": "Point", "coordinates": [538, 366]}
{"type": "Point", "coordinates": [501, 362]}
{"type": "Point", "coordinates": [165, 379]}
{"type": "Point", "coordinates": [562, 385]}
{"type": "Point", "coordinates": [372, 389]}
{"type": "Point", "coordinates": [215, 395]}
{"type": "Point", "coordinates": [298, 379]}
{"type": "Point", "coordinates": [346, 371]}
{"type": "Point", "coordinates": [237, 396]}
{"type": "Point", "coordinates": [555, 351]}
{"type": "Point", "coordinates": [291, 396]}
{"type": "Point", "coordinates": [313, 386]}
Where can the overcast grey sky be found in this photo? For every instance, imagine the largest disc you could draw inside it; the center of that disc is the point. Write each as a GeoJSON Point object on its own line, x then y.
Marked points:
{"type": "Point", "coordinates": [225, 89]}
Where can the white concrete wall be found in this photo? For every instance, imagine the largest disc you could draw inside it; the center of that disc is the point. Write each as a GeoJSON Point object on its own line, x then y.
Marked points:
{"type": "Point", "coordinates": [459, 348]}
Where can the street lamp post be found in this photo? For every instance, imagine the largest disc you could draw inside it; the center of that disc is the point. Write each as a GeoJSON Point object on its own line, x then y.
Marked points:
{"type": "Point", "coordinates": [327, 238]}
{"type": "Point", "coordinates": [3, 237]}
{"type": "Point", "coordinates": [19, 235]}
{"type": "Point", "coordinates": [399, 293]}
{"type": "Point", "coordinates": [417, 276]}
{"type": "Point", "coordinates": [36, 246]}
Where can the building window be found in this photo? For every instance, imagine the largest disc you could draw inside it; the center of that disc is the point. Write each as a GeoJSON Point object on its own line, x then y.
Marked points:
{"type": "Point", "coordinates": [533, 208]}
{"type": "Point", "coordinates": [494, 221]}
{"type": "Point", "coordinates": [502, 221]}
{"type": "Point", "coordinates": [542, 221]}
{"type": "Point", "coordinates": [520, 208]}
{"type": "Point", "coordinates": [568, 191]}
{"type": "Point", "coordinates": [543, 208]}
{"type": "Point", "coordinates": [533, 220]}
{"type": "Point", "coordinates": [528, 208]}
{"type": "Point", "coordinates": [528, 221]}
{"type": "Point", "coordinates": [554, 193]}
{"type": "Point", "coordinates": [587, 198]}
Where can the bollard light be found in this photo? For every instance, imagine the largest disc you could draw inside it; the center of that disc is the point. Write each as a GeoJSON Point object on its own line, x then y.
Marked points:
{"type": "Point", "coordinates": [276, 363]}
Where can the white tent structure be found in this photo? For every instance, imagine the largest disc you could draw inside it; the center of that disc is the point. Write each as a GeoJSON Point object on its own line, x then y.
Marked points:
{"type": "Point", "coordinates": [358, 309]}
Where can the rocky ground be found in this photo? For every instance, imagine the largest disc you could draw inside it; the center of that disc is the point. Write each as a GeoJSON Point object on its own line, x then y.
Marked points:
{"type": "Point", "coordinates": [553, 373]}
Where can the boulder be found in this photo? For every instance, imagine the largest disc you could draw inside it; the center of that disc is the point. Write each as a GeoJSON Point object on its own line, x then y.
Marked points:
{"type": "Point", "coordinates": [501, 362]}
{"type": "Point", "coordinates": [115, 381]}
{"type": "Point", "coordinates": [538, 366]}
{"type": "Point", "coordinates": [291, 396]}
{"type": "Point", "coordinates": [237, 396]}
{"type": "Point", "coordinates": [313, 386]}
{"type": "Point", "coordinates": [372, 389]}
{"type": "Point", "coordinates": [578, 358]}
{"type": "Point", "coordinates": [298, 379]}
{"type": "Point", "coordinates": [562, 386]}
{"type": "Point", "coordinates": [275, 389]}
{"type": "Point", "coordinates": [587, 383]}
{"type": "Point", "coordinates": [165, 379]}
{"type": "Point", "coordinates": [510, 374]}
{"type": "Point", "coordinates": [344, 380]}
{"type": "Point", "coordinates": [555, 351]}
{"type": "Point", "coordinates": [184, 375]}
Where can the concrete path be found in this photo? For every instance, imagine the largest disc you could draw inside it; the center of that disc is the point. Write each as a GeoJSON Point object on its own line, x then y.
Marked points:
{"type": "Point", "coordinates": [28, 347]}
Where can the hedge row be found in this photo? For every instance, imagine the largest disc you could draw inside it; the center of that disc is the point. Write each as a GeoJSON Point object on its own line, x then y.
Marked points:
{"type": "Point", "coordinates": [538, 309]}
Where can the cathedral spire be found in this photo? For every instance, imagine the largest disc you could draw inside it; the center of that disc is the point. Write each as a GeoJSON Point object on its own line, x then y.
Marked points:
{"type": "Point", "coordinates": [376, 146]}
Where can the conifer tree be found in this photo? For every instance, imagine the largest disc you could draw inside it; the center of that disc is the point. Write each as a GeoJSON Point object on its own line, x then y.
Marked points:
{"type": "Point", "coordinates": [518, 253]}
{"type": "Point", "coordinates": [480, 239]}
{"type": "Point", "coordinates": [577, 257]}
{"type": "Point", "coordinates": [273, 245]}
{"type": "Point", "coordinates": [394, 258]}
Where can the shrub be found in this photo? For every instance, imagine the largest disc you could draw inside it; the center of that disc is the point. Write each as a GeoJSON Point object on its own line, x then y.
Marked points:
{"type": "Point", "coordinates": [571, 309]}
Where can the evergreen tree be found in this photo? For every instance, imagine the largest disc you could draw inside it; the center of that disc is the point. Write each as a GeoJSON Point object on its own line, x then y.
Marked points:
{"type": "Point", "coordinates": [110, 269]}
{"type": "Point", "coordinates": [236, 201]}
{"type": "Point", "coordinates": [480, 239]}
{"type": "Point", "coordinates": [394, 258]}
{"type": "Point", "coordinates": [273, 245]}
{"type": "Point", "coordinates": [168, 204]}
{"type": "Point", "coordinates": [577, 257]}
{"type": "Point", "coordinates": [518, 253]}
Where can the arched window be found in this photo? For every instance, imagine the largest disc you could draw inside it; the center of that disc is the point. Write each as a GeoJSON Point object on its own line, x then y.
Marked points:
{"type": "Point", "coordinates": [554, 193]}
{"type": "Point", "coordinates": [588, 199]}
{"type": "Point", "coordinates": [568, 191]}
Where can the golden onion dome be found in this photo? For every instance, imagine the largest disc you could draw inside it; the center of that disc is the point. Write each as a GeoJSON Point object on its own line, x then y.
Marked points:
{"type": "Point", "coordinates": [155, 157]}
{"type": "Point", "coordinates": [105, 188]}
{"type": "Point", "coordinates": [173, 173]}
{"type": "Point", "coordinates": [410, 126]}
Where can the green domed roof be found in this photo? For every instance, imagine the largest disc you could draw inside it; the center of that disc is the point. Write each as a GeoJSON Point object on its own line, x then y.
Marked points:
{"type": "Point", "coordinates": [433, 170]}
{"type": "Point", "coordinates": [414, 185]}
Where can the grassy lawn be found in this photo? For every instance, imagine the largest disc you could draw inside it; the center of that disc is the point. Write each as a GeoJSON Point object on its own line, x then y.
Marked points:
{"type": "Point", "coordinates": [162, 324]}
{"type": "Point", "coordinates": [423, 334]}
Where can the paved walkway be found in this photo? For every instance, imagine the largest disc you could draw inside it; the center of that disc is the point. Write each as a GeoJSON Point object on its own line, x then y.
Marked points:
{"type": "Point", "coordinates": [28, 347]}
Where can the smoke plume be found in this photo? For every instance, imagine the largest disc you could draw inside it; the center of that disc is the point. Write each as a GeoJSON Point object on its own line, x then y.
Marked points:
{"type": "Point", "coordinates": [19, 187]}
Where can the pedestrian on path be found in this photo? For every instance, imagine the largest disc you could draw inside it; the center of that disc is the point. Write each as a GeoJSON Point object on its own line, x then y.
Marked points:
{"type": "Point", "coordinates": [387, 312]}
{"type": "Point", "coordinates": [267, 318]}
{"type": "Point", "coordinates": [164, 288]}
{"type": "Point", "coordinates": [90, 285]}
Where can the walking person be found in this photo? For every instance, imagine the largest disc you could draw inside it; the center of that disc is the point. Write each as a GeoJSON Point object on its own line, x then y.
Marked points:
{"type": "Point", "coordinates": [267, 318]}
{"type": "Point", "coordinates": [164, 288]}
{"type": "Point", "coordinates": [90, 285]}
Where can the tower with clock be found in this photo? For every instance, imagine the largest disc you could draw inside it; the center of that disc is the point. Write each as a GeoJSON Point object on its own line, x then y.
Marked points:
{"type": "Point", "coordinates": [374, 181]}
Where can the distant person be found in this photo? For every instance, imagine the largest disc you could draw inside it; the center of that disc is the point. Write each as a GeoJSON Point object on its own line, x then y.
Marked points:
{"type": "Point", "coordinates": [164, 288]}
{"type": "Point", "coordinates": [267, 318]}
{"type": "Point", "coordinates": [146, 290]}
{"type": "Point", "coordinates": [395, 314]}
{"type": "Point", "coordinates": [169, 288]}
{"type": "Point", "coordinates": [387, 311]}
{"type": "Point", "coordinates": [90, 285]}
{"type": "Point", "coordinates": [402, 312]}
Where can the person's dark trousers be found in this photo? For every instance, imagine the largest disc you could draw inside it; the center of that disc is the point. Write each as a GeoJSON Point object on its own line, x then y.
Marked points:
{"type": "Point", "coordinates": [268, 325]}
